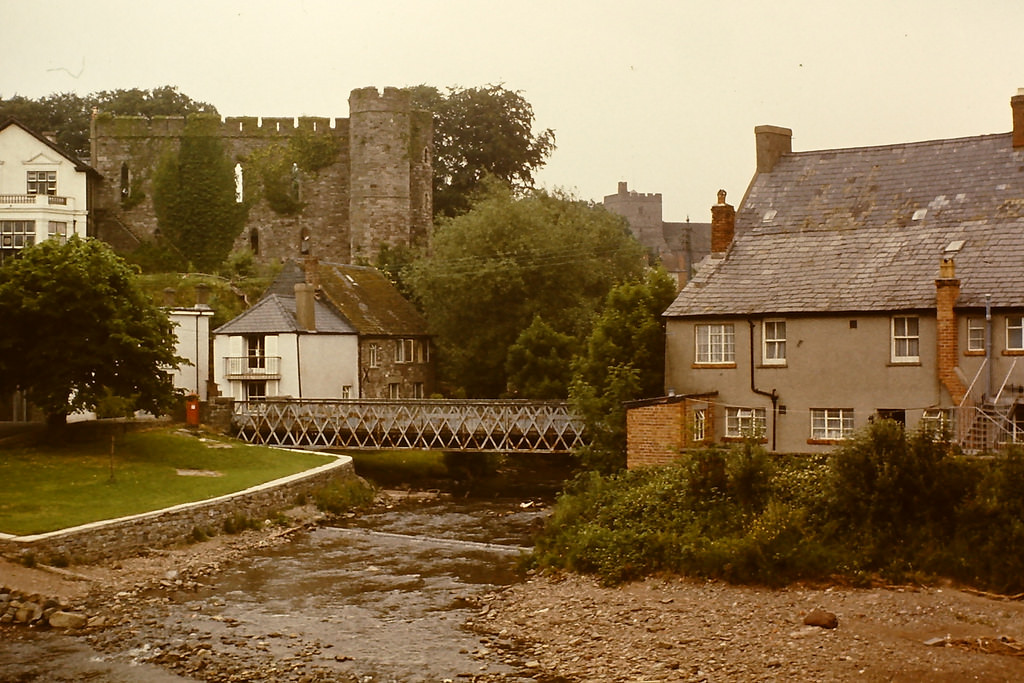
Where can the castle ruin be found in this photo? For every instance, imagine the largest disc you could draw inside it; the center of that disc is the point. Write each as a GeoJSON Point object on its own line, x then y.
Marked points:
{"type": "Point", "coordinates": [377, 191]}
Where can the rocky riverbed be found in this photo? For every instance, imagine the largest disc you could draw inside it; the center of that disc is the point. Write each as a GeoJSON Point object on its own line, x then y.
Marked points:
{"type": "Point", "coordinates": [545, 629]}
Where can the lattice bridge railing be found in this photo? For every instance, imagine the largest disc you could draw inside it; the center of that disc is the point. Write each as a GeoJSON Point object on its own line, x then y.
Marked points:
{"type": "Point", "coordinates": [500, 426]}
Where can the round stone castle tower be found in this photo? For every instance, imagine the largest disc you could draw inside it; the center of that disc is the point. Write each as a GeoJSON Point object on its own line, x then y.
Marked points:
{"type": "Point", "coordinates": [390, 152]}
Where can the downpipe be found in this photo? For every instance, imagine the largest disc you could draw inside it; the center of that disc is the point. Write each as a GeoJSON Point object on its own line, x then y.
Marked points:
{"type": "Point", "coordinates": [773, 394]}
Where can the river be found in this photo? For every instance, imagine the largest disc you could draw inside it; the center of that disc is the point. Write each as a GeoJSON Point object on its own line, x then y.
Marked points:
{"type": "Point", "coordinates": [380, 596]}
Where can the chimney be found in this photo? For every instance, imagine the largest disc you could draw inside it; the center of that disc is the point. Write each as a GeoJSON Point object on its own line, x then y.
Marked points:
{"type": "Point", "coordinates": [623, 187]}
{"type": "Point", "coordinates": [772, 142]}
{"type": "Point", "coordinates": [312, 268]}
{"type": "Point", "coordinates": [723, 225]}
{"type": "Point", "coordinates": [202, 295]}
{"type": "Point", "coordinates": [947, 291]}
{"type": "Point", "coordinates": [1017, 105]}
{"type": "Point", "coordinates": [305, 311]}
{"type": "Point", "coordinates": [169, 295]}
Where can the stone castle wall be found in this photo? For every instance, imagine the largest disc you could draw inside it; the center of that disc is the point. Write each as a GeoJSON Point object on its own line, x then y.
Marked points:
{"type": "Point", "coordinates": [377, 191]}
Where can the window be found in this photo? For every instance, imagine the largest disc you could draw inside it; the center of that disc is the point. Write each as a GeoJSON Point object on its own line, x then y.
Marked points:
{"type": "Point", "coordinates": [905, 340]}
{"type": "Point", "coordinates": [239, 184]}
{"type": "Point", "coordinates": [417, 390]}
{"type": "Point", "coordinates": [42, 182]}
{"type": "Point", "coordinates": [256, 351]}
{"type": "Point", "coordinates": [698, 428]}
{"type": "Point", "coordinates": [346, 391]}
{"type": "Point", "coordinates": [57, 230]}
{"type": "Point", "coordinates": [393, 390]}
{"type": "Point", "coordinates": [255, 391]}
{"type": "Point", "coordinates": [1015, 333]}
{"type": "Point", "coordinates": [774, 342]}
{"type": "Point", "coordinates": [716, 343]}
{"type": "Point", "coordinates": [975, 334]}
{"type": "Point", "coordinates": [373, 351]}
{"type": "Point", "coordinates": [411, 351]}
{"type": "Point", "coordinates": [831, 424]}
{"type": "Point", "coordinates": [17, 234]}
{"type": "Point", "coordinates": [745, 422]}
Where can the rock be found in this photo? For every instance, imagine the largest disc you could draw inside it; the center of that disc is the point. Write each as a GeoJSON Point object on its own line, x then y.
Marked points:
{"type": "Point", "coordinates": [62, 619]}
{"type": "Point", "coordinates": [821, 619]}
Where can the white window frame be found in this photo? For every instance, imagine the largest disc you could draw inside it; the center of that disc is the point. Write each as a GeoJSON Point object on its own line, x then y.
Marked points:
{"type": "Point", "coordinates": [741, 423]}
{"type": "Point", "coordinates": [698, 425]}
{"type": "Point", "coordinates": [255, 390]}
{"type": "Point", "coordinates": [715, 343]}
{"type": "Point", "coordinates": [17, 234]}
{"type": "Point", "coordinates": [773, 344]}
{"type": "Point", "coordinates": [975, 334]}
{"type": "Point", "coordinates": [1015, 333]}
{"type": "Point", "coordinates": [57, 230]}
{"type": "Point", "coordinates": [905, 342]}
{"type": "Point", "coordinates": [831, 424]}
{"type": "Point", "coordinates": [41, 180]}
{"type": "Point", "coordinates": [373, 353]}
{"type": "Point", "coordinates": [394, 390]}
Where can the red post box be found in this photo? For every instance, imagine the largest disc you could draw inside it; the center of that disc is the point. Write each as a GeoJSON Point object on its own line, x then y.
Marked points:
{"type": "Point", "coordinates": [192, 410]}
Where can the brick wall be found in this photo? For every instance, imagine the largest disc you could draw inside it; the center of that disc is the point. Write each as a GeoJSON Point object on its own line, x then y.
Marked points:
{"type": "Point", "coordinates": [947, 291]}
{"type": "Point", "coordinates": [655, 434]}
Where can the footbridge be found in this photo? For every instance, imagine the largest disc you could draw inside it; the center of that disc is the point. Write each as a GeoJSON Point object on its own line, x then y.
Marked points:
{"type": "Point", "coordinates": [499, 426]}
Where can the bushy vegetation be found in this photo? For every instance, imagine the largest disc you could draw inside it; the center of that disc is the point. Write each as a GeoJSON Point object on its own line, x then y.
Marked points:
{"type": "Point", "coordinates": [889, 505]}
{"type": "Point", "coordinates": [344, 495]}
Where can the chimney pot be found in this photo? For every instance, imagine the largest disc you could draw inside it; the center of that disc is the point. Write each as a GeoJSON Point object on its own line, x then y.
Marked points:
{"type": "Point", "coordinates": [202, 294]}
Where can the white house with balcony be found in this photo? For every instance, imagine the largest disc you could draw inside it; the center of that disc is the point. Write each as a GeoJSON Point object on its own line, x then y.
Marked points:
{"type": "Point", "coordinates": [44, 192]}
{"type": "Point", "coordinates": [287, 346]}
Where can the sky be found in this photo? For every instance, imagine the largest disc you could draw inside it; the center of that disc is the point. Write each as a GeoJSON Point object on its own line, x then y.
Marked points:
{"type": "Point", "coordinates": [661, 94]}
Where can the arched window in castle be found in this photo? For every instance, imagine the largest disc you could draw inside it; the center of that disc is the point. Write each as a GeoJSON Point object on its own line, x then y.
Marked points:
{"type": "Point", "coordinates": [304, 242]}
{"type": "Point", "coordinates": [126, 186]}
{"type": "Point", "coordinates": [254, 241]}
{"type": "Point", "coordinates": [239, 189]}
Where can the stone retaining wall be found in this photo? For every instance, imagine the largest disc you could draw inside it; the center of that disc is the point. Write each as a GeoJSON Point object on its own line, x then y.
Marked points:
{"type": "Point", "coordinates": [126, 536]}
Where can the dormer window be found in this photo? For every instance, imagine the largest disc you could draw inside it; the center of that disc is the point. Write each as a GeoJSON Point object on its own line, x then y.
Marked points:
{"type": "Point", "coordinates": [42, 182]}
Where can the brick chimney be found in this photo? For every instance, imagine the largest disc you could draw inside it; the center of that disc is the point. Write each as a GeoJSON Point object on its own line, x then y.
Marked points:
{"type": "Point", "coordinates": [723, 225]}
{"type": "Point", "coordinates": [772, 142]}
{"type": "Point", "coordinates": [305, 311]}
{"type": "Point", "coordinates": [312, 268]}
{"type": "Point", "coordinates": [947, 291]}
{"type": "Point", "coordinates": [1017, 105]}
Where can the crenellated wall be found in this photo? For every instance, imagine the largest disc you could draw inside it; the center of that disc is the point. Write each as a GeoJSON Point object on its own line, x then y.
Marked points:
{"type": "Point", "coordinates": [377, 191]}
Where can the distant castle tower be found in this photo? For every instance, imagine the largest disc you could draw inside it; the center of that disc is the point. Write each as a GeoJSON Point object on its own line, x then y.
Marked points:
{"type": "Point", "coordinates": [377, 192]}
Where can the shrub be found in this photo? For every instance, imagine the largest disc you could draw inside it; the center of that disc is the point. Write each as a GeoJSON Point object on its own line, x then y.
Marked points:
{"type": "Point", "coordinates": [343, 495]}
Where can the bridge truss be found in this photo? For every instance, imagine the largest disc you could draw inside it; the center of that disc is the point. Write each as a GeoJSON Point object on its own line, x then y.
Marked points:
{"type": "Point", "coordinates": [500, 426]}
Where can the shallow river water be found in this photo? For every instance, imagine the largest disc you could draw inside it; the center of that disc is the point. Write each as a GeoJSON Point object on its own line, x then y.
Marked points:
{"type": "Point", "coordinates": [383, 598]}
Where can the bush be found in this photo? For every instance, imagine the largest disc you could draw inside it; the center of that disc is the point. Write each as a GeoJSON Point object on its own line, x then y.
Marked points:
{"type": "Point", "coordinates": [344, 495]}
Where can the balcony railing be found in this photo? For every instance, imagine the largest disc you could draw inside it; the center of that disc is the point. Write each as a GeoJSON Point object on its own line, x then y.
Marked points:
{"type": "Point", "coordinates": [252, 367]}
{"type": "Point", "coordinates": [36, 199]}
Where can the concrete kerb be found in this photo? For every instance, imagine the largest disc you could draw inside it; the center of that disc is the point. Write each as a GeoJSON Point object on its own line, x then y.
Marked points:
{"type": "Point", "coordinates": [126, 536]}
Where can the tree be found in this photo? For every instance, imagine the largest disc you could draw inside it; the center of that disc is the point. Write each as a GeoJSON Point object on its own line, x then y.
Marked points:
{"type": "Point", "coordinates": [508, 260]}
{"type": "Point", "coordinates": [194, 196]}
{"type": "Point", "coordinates": [68, 115]}
{"type": "Point", "coordinates": [480, 132]}
{"type": "Point", "coordinates": [538, 364]}
{"type": "Point", "coordinates": [624, 361]}
{"type": "Point", "coordinates": [77, 329]}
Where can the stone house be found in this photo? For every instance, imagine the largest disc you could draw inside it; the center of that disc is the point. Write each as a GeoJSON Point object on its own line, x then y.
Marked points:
{"type": "Point", "coordinates": [365, 340]}
{"type": "Point", "coordinates": [44, 192]}
{"type": "Point", "coordinates": [858, 284]}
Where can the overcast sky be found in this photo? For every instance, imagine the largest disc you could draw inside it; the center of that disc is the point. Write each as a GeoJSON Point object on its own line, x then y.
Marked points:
{"type": "Point", "coordinates": [662, 94]}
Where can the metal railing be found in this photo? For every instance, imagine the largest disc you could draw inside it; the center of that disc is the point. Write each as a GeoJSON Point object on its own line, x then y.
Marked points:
{"type": "Point", "coordinates": [252, 367]}
{"type": "Point", "coordinates": [422, 424]}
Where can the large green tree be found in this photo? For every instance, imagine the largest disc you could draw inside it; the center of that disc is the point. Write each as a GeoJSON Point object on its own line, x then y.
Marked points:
{"type": "Point", "coordinates": [511, 259]}
{"type": "Point", "coordinates": [67, 115]}
{"type": "Point", "coordinates": [481, 132]}
{"type": "Point", "coordinates": [76, 329]}
{"type": "Point", "coordinates": [194, 196]}
{"type": "Point", "coordinates": [624, 360]}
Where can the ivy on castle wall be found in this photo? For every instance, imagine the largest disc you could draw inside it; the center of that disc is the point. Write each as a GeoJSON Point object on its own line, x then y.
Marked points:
{"type": "Point", "coordinates": [194, 196]}
{"type": "Point", "coordinates": [280, 167]}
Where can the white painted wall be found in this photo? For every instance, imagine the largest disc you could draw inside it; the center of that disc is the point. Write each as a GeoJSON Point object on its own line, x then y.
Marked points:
{"type": "Point", "coordinates": [192, 329]}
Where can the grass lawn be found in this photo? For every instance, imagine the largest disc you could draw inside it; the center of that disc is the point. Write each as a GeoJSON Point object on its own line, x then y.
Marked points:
{"type": "Point", "coordinates": [45, 488]}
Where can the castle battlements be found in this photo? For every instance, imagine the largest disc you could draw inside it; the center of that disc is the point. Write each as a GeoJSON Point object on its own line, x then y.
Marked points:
{"type": "Point", "coordinates": [232, 126]}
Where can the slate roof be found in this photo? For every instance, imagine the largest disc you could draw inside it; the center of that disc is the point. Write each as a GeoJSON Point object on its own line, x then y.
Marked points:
{"type": "Point", "coordinates": [362, 295]}
{"type": "Point", "coordinates": [275, 314]}
{"type": "Point", "coordinates": [865, 229]}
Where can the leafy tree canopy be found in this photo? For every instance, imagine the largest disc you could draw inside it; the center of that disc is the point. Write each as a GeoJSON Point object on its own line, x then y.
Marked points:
{"type": "Point", "coordinates": [78, 329]}
{"type": "Point", "coordinates": [68, 115]}
{"type": "Point", "coordinates": [509, 260]}
{"type": "Point", "coordinates": [480, 132]}
{"type": "Point", "coordinates": [624, 361]}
